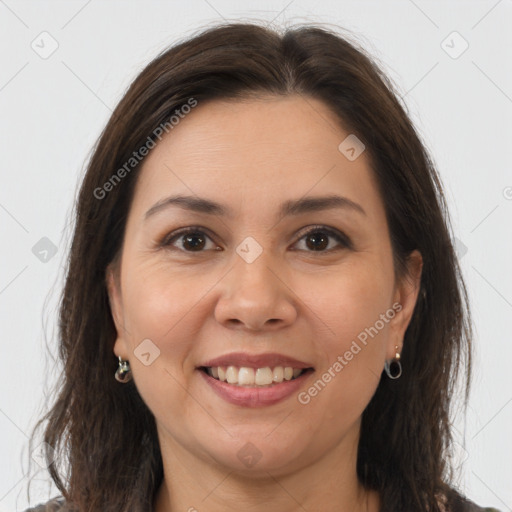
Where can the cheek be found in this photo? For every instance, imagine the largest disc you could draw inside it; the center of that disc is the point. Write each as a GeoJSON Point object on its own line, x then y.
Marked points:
{"type": "Point", "coordinates": [163, 306]}
{"type": "Point", "coordinates": [356, 311]}
{"type": "Point", "coordinates": [161, 299]}
{"type": "Point", "coordinates": [355, 301]}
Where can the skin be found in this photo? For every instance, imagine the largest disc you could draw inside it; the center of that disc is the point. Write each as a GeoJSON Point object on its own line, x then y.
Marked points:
{"type": "Point", "coordinates": [251, 156]}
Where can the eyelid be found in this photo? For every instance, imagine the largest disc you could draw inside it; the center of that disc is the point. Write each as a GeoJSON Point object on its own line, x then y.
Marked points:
{"type": "Point", "coordinates": [166, 240]}
{"type": "Point", "coordinates": [338, 235]}
{"type": "Point", "coordinates": [342, 239]}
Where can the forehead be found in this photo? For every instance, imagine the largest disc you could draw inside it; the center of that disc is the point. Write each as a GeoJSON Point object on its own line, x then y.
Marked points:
{"type": "Point", "coordinates": [255, 152]}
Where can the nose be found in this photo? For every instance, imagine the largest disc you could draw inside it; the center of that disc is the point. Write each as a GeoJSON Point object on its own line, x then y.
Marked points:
{"type": "Point", "coordinates": [255, 296]}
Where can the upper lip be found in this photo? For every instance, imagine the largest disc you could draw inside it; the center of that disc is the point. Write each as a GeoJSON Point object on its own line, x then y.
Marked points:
{"type": "Point", "coordinates": [247, 360]}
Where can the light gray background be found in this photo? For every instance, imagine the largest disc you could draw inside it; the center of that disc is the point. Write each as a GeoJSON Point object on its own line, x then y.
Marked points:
{"type": "Point", "coordinates": [53, 109]}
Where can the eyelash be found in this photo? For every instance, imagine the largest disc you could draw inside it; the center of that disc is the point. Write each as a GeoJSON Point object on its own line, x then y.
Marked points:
{"type": "Point", "coordinates": [341, 238]}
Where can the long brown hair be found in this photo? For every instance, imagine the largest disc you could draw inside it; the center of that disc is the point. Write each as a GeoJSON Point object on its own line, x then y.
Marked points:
{"type": "Point", "coordinates": [103, 436]}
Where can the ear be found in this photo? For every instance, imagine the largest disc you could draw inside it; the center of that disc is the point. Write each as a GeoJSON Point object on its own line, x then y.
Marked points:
{"type": "Point", "coordinates": [113, 283]}
{"type": "Point", "coordinates": [405, 297]}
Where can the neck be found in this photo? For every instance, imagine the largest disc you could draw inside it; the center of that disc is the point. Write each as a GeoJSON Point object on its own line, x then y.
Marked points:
{"type": "Point", "coordinates": [192, 485]}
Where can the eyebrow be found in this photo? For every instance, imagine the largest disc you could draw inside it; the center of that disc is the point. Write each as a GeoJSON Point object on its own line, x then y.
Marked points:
{"type": "Point", "coordinates": [288, 208]}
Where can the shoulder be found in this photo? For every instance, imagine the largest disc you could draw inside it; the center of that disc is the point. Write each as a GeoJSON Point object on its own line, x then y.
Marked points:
{"type": "Point", "coordinates": [469, 506]}
{"type": "Point", "coordinates": [476, 508]}
{"type": "Point", "coordinates": [54, 505]}
{"type": "Point", "coordinates": [58, 505]}
{"type": "Point", "coordinates": [460, 503]}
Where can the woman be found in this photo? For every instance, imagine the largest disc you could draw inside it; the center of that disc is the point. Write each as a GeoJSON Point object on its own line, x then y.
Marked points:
{"type": "Point", "coordinates": [262, 249]}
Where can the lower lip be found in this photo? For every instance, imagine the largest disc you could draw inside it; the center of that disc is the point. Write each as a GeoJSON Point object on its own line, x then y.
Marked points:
{"type": "Point", "coordinates": [257, 396]}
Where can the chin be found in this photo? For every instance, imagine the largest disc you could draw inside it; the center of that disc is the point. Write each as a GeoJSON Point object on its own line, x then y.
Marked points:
{"type": "Point", "coordinates": [257, 456]}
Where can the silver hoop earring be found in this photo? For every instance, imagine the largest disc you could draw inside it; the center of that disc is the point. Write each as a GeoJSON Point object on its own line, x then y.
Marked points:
{"type": "Point", "coordinates": [393, 368]}
{"type": "Point", "coordinates": [123, 373]}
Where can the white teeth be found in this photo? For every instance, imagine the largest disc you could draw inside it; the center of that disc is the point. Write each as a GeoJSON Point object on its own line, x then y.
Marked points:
{"type": "Point", "coordinates": [232, 375]}
{"type": "Point", "coordinates": [278, 374]}
{"type": "Point", "coordinates": [263, 376]}
{"type": "Point", "coordinates": [245, 376]}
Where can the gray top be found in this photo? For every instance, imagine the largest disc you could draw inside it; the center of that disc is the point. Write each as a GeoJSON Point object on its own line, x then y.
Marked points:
{"type": "Point", "coordinates": [58, 505]}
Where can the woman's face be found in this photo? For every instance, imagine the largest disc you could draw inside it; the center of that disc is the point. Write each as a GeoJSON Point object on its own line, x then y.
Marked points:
{"type": "Point", "coordinates": [251, 281]}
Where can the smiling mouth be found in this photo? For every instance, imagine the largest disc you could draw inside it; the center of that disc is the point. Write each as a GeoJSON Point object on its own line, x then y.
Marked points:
{"type": "Point", "coordinates": [254, 377]}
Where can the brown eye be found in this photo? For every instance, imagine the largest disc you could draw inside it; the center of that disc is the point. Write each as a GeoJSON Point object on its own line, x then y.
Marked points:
{"type": "Point", "coordinates": [193, 241]}
{"type": "Point", "coordinates": [189, 240]}
{"type": "Point", "coordinates": [318, 239]}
